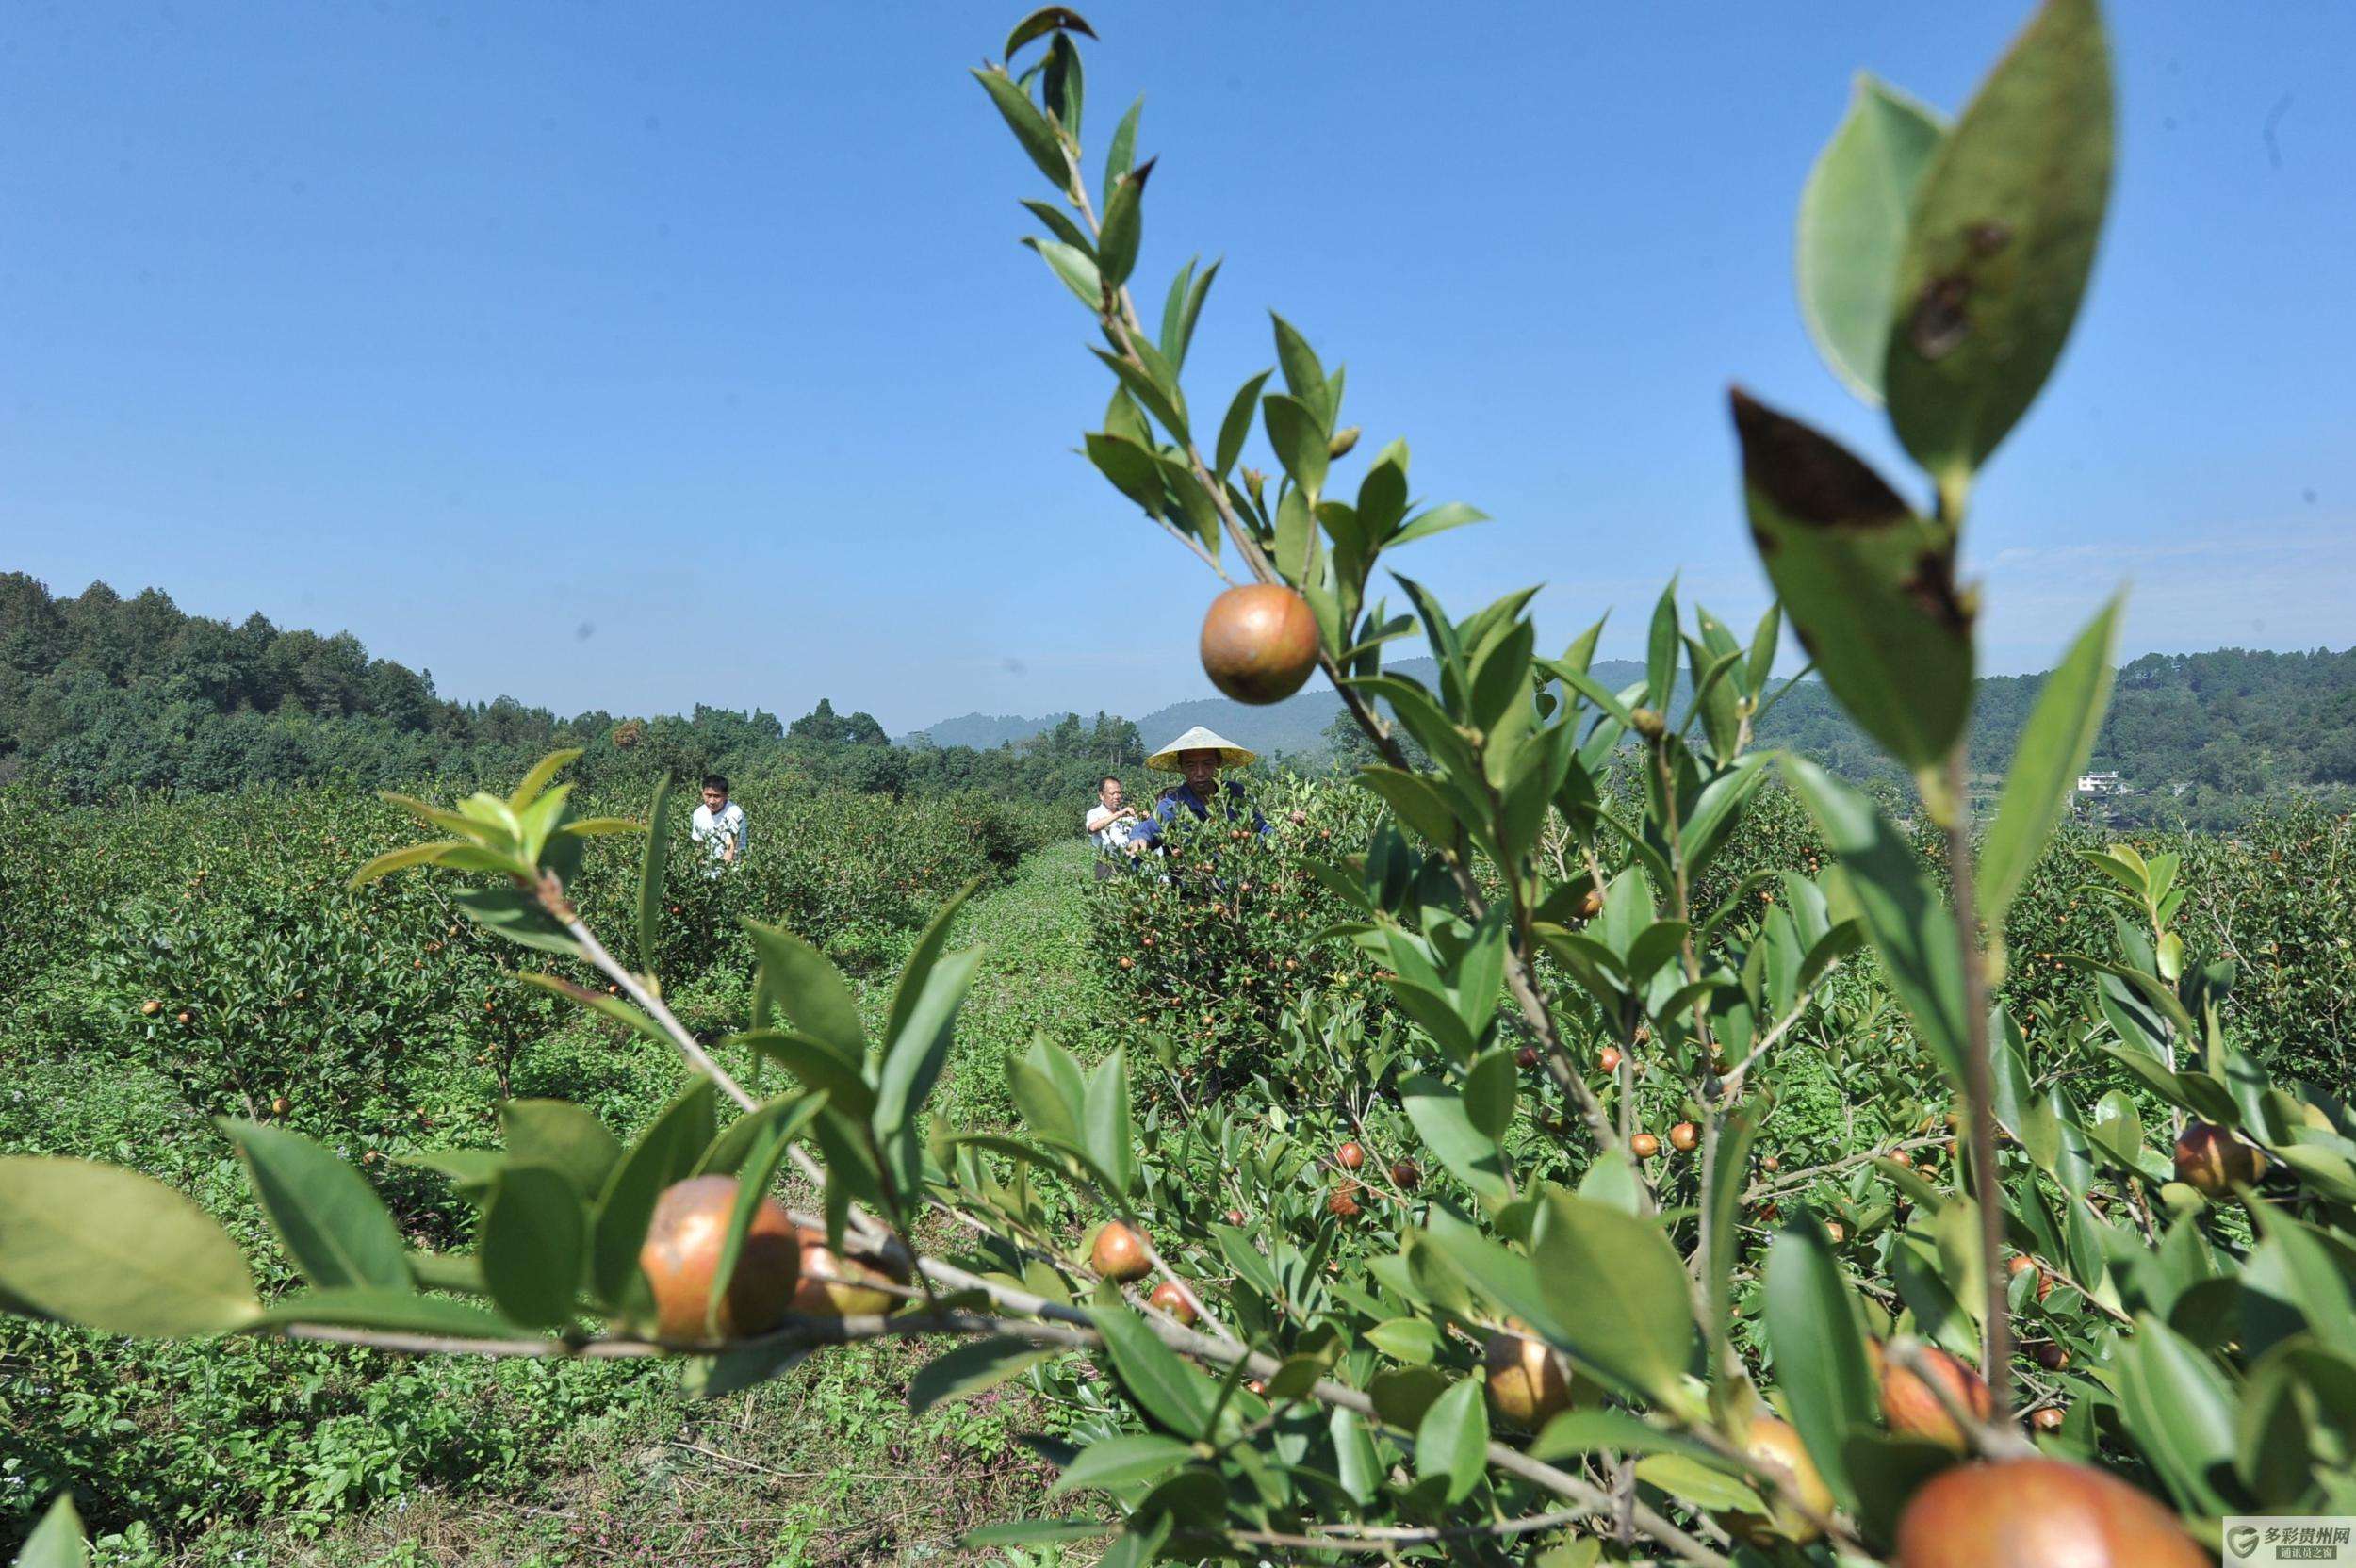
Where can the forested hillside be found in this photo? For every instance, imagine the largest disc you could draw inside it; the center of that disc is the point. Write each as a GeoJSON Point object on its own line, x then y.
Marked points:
{"type": "Point", "coordinates": [100, 693]}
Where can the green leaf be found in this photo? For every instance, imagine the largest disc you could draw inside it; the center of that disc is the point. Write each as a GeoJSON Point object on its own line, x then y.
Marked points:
{"type": "Point", "coordinates": [1030, 127]}
{"type": "Point", "coordinates": [1112, 1141]}
{"type": "Point", "coordinates": [1075, 266]}
{"type": "Point", "coordinates": [1119, 1463]}
{"type": "Point", "coordinates": [1140, 1542]}
{"type": "Point", "coordinates": [563, 1136]}
{"type": "Point", "coordinates": [911, 991]}
{"type": "Point", "coordinates": [811, 989]}
{"type": "Point", "coordinates": [2002, 239]}
{"type": "Point", "coordinates": [1868, 584]}
{"type": "Point", "coordinates": [1701, 1485]}
{"type": "Point", "coordinates": [117, 1251]}
{"type": "Point", "coordinates": [1852, 228]}
{"type": "Point", "coordinates": [1910, 927]}
{"type": "Point", "coordinates": [914, 1055]}
{"type": "Point", "coordinates": [1452, 1440]}
{"type": "Point", "coordinates": [970, 1368]}
{"type": "Point", "coordinates": [1616, 1281]}
{"type": "Point", "coordinates": [470, 1170]}
{"type": "Point", "coordinates": [1048, 1090]}
{"type": "Point", "coordinates": [651, 869]}
{"type": "Point", "coordinates": [1446, 1129]}
{"type": "Point", "coordinates": [752, 1189]}
{"type": "Point", "coordinates": [534, 1231]}
{"type": "Point", "coordinates": [2302, 1271]}
{"type": "Point", "coordinates": [1660, 650]}
{"type": "Point", "coordinates": [818, 1065]}
{"type": "Point", "coordinates": [1820, 1349]}
{"type": "Point", "coordinates": [1355, 1462]}
{"type": "Point", "coordinates": [1298, 440]}
{"type": "Point", "coordinates": [1159, 398]}
{"type": "Point", "coordinates": [1165, 1387]}
{"type": "Point", "coordinates": [665, 1152]}
{"type": "Point", "coordinates": [1178, 332]}
{"type": "Point", "coordinates": [1602, 1428]}
{"type": "Point", "coordinates": [1123, 151]}
{"type": "Point", "coordinates": [737, 1143]}
{"type": "Point", "coordinates": [57, 1541]}
{"type": "Point", "coordinates": [1490, 1085]}
{"type": "Point", "coordinates": [1046, 20]}
{"type": "Point", "coordinates": [334, 1226]}
{"type": "Point", "coordinates": [506, 912]}
{"type": "Point", "coordinates": [1061, 225]}
{"type": "Point", "coordinates": [1123, 226]}
{"type": "Point", "coordinates": [2179, 1411]}
{"type": "Point", "coordinates": [394, 1311]}
{"type": "Point", "coordinates": [1025, 1533]}
{"type": "Point", "coordinates": [1133, 471]}
{"type": "Point", "coordinates": [1304, 378]}
{"type": "Point", "coordinates": [1236, 428]}
{"type": "Point", "coordinates": [1437, 520]}
{"type": "Point", "coordinates": [2052, 751]}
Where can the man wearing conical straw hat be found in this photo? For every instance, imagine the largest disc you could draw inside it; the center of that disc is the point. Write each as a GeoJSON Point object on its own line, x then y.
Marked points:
{"type": "Point", "coordinates": [1198, 755]}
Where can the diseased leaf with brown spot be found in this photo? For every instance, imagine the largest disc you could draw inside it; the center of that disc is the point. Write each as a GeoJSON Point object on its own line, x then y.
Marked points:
{"type": "Point", "coordinates": [1869, 585]}
{"type": "Point", "coordinates": [2001, 244]}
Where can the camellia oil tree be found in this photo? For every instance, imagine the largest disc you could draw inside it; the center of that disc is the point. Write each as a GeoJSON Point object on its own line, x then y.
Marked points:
{"type": "Point", "coordinates": [1523, 1274]}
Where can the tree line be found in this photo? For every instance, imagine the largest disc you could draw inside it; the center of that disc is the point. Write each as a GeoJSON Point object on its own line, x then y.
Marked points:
{"type": "Point", "coordinates": [100, 694]}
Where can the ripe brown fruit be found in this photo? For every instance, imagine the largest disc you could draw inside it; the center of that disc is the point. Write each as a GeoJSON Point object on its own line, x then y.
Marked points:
{"type": "Point", "coordinates": [1350, 1156]}
{"type": "Point", "coordinates": [1255, 1385]}
{"type": "Point", "coordinates": [682, 1251]}
{"type": "Point", "coordinates": [1643, 1146]}
{"type": "Point", "coordinates": [1259, 642]}
{"type": "Point", "coordinates": [1774, 1446]}
{"type": "Point", "coordinates": [1590, 906]}
{"type": "Point", "coordinates": [1529, 1383]}
{"type": "Point", "coordinates": [150, 1008]}
{"type": "Point", "coordinates": [188, 1017]}
{"type": "Point", "coordinates": [1343, 1204]}
{"type": "Point", "coordinates": [1609, 1058]}
{"type": "Point", "coordinates": [1170, 1297]}
{"type": "Point", "coordinates": [1406, 1175]}
{"type": "Point", "coordinates": [2020, 1263]}
{"type": "Point", "coordinates": [1685, 1137]}
{"type": "Point", "coordinates": [278, 1106]}
{"type": "Point", "coordinates": [1233, 1217]}
{"type": "Point", "coordinates": [2212, 1161]}
{"type": "Point", "coordinates": [2051, 1356]}
{"type": "Point", "coordinates": [832, 1284]}
{"type": "Point", "coordinates": [1837, 1231]}
{"type": "Point", "coordinates": [2039, 1510]}
{"type": "Point", "coordinates": [1913, 1409]}
{"type": "Point", "coordinates": [1769, 1162]}
{"type": "Point", "coordinates": [2049, 1418]}
{"type": "Point", "coordinates": [1527, 1057]}
{"type": "Point", "coordinates": [1119, 1253]}
{"type": "Point", "coordinates": [1127, 962]}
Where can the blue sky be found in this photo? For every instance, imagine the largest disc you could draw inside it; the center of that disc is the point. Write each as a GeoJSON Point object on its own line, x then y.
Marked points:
{"type": "Point", "coordinates": [634, 356]}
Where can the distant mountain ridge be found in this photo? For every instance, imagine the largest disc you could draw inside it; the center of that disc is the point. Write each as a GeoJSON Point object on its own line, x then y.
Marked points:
{"type": "Point", "coordinates": [1293, 727]}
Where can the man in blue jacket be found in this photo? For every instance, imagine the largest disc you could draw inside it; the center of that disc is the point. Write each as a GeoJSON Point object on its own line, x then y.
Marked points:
{"type": "Point", "coordinates": [1197, 756]}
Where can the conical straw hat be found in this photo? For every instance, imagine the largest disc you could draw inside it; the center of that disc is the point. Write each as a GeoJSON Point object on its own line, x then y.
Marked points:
{"type": "Point", "coordinates": [1200, 739]}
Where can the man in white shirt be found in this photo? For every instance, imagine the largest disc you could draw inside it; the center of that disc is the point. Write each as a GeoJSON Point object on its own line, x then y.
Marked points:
{"type": "Point", "coordinates": [719, 825]}
{"type": "Point", "coordinates": [1110, 822]}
